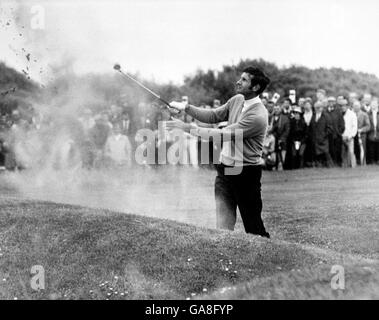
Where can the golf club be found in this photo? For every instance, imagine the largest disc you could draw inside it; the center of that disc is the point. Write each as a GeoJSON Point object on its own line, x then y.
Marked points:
{"type": "Point", "coordinates": [117, 67]}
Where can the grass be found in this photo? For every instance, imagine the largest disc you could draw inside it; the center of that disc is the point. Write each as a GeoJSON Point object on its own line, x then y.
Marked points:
{"type": "Point", "coordinates": [317, 219]}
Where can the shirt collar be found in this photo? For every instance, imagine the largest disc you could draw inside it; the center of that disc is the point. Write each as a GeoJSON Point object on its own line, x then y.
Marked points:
{"type": "Point", "coordinates": [250, 102]}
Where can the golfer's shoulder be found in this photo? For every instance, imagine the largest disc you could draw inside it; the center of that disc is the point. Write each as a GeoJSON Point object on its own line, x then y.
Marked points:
{"type": "Point", "coordinates": [259, 111]}
{"type": "Point", "coordinates": [236, 100]}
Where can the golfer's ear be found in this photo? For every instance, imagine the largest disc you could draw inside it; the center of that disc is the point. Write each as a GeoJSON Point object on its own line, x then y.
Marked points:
{"type": "Point", "coordinates": [256, 87]}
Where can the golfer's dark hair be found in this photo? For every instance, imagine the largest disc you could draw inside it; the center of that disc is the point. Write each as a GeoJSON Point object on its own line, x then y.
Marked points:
{"type": "Point", "coordinates": [258, 77]}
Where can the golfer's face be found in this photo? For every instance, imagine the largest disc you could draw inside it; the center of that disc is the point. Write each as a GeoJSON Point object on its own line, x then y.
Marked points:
{"type": "Point", "coordinates": [244, 83]}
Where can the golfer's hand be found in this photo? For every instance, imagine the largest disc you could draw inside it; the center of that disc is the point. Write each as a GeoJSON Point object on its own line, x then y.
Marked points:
{"type": "Point", "coordinates": [180, 106]}
{"type": "Point", "coordinates": [177, 124]}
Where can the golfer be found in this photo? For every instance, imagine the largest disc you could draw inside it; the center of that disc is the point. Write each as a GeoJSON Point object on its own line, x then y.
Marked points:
{"type": "Point", "coordinates": [244, 113]}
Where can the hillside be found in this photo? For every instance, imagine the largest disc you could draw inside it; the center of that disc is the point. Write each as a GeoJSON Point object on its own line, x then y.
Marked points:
{"type": "Point", "coordinates": [99, 254]}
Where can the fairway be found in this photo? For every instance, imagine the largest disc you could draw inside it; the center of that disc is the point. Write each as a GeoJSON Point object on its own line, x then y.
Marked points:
{"type": "Point", "coordinates": [317, 218]}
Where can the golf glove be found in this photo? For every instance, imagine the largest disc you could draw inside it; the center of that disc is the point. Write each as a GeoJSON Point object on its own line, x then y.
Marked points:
{"type": "Point", "coordinates": [178, 105]}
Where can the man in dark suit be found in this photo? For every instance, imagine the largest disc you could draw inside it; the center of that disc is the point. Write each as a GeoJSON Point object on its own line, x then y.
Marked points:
{"type": "Point", "coordinates": [337, 128]}
{"type": "Point", "coordinates": [297, 138]}
{"type": "Point", "coordinates": [320, 130]}
{"type": "Point", "coordinates": [373, 134]}
{"type": "Point", "coordinates": [280, 129]}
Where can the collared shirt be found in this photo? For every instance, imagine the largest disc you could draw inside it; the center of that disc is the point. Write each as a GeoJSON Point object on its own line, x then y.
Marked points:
{"type": "Point", "coordinates": [250, 102]}
{"type": "Point", "coordinates": [308, 117]}
{"type": "Point", "coordinates": [366, 108]}
{"type": "Point", "coordinates": [318, 116]}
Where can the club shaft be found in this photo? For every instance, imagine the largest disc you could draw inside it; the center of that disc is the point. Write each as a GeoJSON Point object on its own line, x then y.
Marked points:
{"type": "Point", "coordinates": [144, 87]}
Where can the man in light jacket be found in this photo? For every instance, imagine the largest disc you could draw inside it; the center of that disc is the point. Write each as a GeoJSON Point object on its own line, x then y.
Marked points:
{"type": "Point", "coordinates": [363, 128]}
{"type": "Point", "coordinates": [351, 129]}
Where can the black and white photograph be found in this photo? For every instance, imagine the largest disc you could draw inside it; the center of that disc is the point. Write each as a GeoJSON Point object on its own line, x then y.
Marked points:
{"type": "Point", "coordinates": [189, 154]}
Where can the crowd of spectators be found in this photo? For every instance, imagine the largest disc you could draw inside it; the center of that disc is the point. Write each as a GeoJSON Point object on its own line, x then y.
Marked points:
{"type": "Point", "coordinates": [325, 132]}
{"type": "Point", "coordinates": [106, 138]}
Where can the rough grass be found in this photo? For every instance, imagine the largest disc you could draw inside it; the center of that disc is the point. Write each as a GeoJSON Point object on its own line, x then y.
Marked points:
{"type": "Point", "coordinates": [317, 219]}
{"type": "Point", "coordinates": [332, 209]}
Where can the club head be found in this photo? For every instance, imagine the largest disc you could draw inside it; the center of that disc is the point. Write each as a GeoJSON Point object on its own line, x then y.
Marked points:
{"type": "Point", "coordinates": [117, 67]}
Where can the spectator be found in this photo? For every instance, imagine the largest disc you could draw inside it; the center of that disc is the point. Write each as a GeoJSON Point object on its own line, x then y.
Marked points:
{"type": "Point", "coordinates": [363, 128]}
{"type": "Point", "coordinates": [270, 109]}
{"type": "Point", "coordinates": [352, 97]}
{"type": "Point", "coordinates": [115, 114]}
{"type": "Point", "coordinates": [307, 116]}
{"type": "Point", "coordinates": [351, 127]}
{"type": "Point", "coordinates": [321, 95]}
{"type": "Point", "coordinates": [264, 101]}
{"type": "Point", "coordinates": [373, 134]}
{"type": "Point", "coordinates": [280, 129]}
{"type": "Point", "coordinates": [300, 103]}
{"type": "Point", "coordinates": [268, 151]}
{"type": "Point", "coordinates": [287, 111]}
{"type": "Point", "coordinates": [297, 139]}
{"type": "Point", "coordinates": [118, 148]}
{"type": "Point", "coordinates": [99, 134]}
{"type": "Point", "coordinates": [124, 123]}
{"type": "Point", "coordinates": [105, 119]}
{"type": "Point", "coordinates": [87, 120]}
{"type": "Point", "coordinates": [286, 107]}
{"type": "Point", "coordinates": [337, 128]}
{"type": "Point", "coordinates": [320, 129]}
{"type": "Point", "coordinates": [87, 148]}
{"type": "Point", "coordinates": [15, 141]}
{"type": "Point", "coordinates": [366, 101]}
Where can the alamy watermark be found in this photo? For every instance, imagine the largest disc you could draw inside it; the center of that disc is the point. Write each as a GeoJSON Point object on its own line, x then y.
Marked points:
{"type": "Point", "coordinates": [37, 282]}
{"type": "Point", "coordinates": [179, 147]}
{"type": "Point", "coordinates": [37, 17]}
{"type": "Point", "coordinates": [338, 280]}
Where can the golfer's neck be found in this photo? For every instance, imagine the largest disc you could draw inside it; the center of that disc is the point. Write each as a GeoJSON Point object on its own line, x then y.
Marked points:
{"type": "Point", "coordinates": [249, 96]}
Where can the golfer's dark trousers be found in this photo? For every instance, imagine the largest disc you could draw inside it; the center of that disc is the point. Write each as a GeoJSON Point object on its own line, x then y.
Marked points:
{"type": "Point", "coordinates": [242, 191]}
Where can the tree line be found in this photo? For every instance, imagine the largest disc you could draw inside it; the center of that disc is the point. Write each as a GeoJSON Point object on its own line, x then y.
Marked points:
{"type": "Point", "coordinates": [202, 87]}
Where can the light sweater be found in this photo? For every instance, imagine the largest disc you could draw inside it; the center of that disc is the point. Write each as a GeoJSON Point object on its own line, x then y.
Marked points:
{"type": "Point", "coordinates": [252, 122]}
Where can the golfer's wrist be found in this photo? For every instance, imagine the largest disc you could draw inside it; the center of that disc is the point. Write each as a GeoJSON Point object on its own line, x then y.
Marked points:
{"type": "Point", "coordinates": [187, 107]}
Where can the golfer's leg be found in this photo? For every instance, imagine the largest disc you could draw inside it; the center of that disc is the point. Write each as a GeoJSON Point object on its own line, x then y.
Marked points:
{"type": "Point", "coordinates": [249, 200]}
{"type": "Point", "coordinates": [226, 205]}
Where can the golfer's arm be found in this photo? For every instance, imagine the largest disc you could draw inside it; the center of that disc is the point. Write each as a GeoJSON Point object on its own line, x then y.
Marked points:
{"type": "Point", "coordinates": [248, 127]}
{"type": "Point", "coordinates": [209, 116]}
